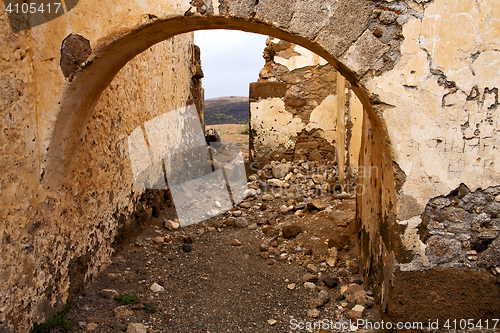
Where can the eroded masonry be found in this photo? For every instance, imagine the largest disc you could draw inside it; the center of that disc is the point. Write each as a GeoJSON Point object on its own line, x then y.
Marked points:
{"type": "Point", "coordinates": [425, 72]}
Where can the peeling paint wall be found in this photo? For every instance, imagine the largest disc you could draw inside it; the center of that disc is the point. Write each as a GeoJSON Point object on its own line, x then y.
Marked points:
{"type": "Point", "coordinates": [294, 107]}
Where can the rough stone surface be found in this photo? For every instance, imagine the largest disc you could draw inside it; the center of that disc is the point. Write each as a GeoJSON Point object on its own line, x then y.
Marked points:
{"type": "Point", "coordinates": [136, 328]}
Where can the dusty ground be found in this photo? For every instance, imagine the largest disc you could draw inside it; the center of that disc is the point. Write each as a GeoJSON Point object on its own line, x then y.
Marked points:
{"type": "Point", "coordinates": [220, 286]}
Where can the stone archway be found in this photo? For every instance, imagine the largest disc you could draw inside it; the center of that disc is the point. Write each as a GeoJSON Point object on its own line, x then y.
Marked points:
{"type": "Point", "coordinates": [348, 45]}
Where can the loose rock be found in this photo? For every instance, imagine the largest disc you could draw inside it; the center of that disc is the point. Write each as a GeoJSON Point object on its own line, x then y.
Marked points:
{"type": "Point", "coordinates": [171, 225]}
{"type": "Point", "coordinates": [235, 242]}
{"type": "Point", "coordinates": [312, 268]}
{"type": "Point", "coordinates": [136, 328]}
{"type": "Point", "coordinates": [330, 281]}
{"type": "Point", "coordinates": [241, 222]}
{"type": "Point", "coordinates": [313, 313]}
{"type": "Point", "coordinates": [309, 285]}
{"type": "Point", "coordinates": [108, 293]}
{"type": "Point", "coordinates": [309, 278]}
{"type": "Point", "coordinates": [122, 311]}
{"type": "Point", "coordinates": [291, 230]}
{"type": "Point", "coordinates": [356, 312]}
{"type": "Point", "coordinates": [156, 288]}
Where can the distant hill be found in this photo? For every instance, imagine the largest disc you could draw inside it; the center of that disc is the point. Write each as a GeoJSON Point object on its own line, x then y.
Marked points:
{"type": "Point", "coordinates": [232, 106]}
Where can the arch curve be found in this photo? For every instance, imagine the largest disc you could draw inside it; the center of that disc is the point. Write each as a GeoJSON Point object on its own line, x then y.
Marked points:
{"type": "Point", "coordinates": [112, 51]}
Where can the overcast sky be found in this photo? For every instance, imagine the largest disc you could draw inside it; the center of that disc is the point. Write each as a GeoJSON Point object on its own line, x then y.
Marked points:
{"type": "Point", "coordinates": [230, 60]}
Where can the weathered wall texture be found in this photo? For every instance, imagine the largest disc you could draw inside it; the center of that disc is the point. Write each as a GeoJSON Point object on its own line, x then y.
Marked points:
{"type": "Point", "coordinates": [294, 108]}
{"type": "Point", "coordinates": [425, 72]}
{"type": "Point", "coordinates": [440, 105]}
{"type": "Point", "coordinates": [55, 239]}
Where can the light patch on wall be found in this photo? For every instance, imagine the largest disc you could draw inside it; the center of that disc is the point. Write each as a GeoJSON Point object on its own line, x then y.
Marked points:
{"type": "Point", "coordinates": [324, 116]}
{"type": "Point", "coordinates": [412, 242]}
{"type": "Point", "coordinates": [306, 58]}
{"type": "Point", "coordinates": [271, 113]}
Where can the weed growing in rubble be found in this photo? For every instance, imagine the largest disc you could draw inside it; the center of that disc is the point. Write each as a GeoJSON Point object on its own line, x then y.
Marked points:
{"type": "Point", "coordinates": [55, 321]}
{"type": "Point", "coordinates": [127, 299]}
{"type": "Point", "coordinates": [149, 307]}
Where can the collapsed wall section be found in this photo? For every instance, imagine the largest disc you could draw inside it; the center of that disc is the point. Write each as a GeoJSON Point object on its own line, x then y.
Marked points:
{"type": "Point", "coordinates": [294, 109]}
{"type": "Point", "coordinates": [55, 240]}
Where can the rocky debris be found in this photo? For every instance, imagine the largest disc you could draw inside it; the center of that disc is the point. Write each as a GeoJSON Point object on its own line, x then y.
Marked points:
{"type": "Point", "coordinates": [354, 293]}
{"type": "Point", "coordinates": [353, 266]}
{"type": "Point", "coordinates": [245, 204]}
{"type": "Point", "coordinates": [159, 239]}
{"type": "Point", "coordinates": [267, 197]}
{"type": "Point", "coordinates": [315, 302]}
{"type": "Point", "coordinates": [316, 204]}
{"type": "Point", "coordinates": [272, 322]}
{"type": "Point", "coordinates": [156, 288]}
{"type": "Point", "coordinates": [330, 281]}
{"type": "Point", "coordinates": [312, 268]}
{"type": "Point", "coordinates": [250, 193]}
{"type": "Point", "coordinates": [309, 285]}
{"type": "Point", "coordinates": [357, 312]}
{"type": "Point", "coordinates": [284, 209]}
{"type": "Point", "coordinates": [309, 278]}
{"type": "Point", "coordinates": [331, 261]}
{"type": "Point", "coordinates": [91, 326]}
{"type": "Point", "coordinates": [171, 225]}
{"type": "Point", "coordinates": [281, 170]}
{"type": "Point", "coordinates": [278, 183]}
{"type": "Point", "coordinates": [230, 221]}
{"type": "Point", "coordinates": [267, 221]}
{"type": "Point", "coordinates": [108, 293]}
{"type": "Point", "coordinates": [291, 230]}
{"type": "Point", "coordinates": [122, 311]}
{"type": "Point", "coordinates": [119, 326]}
{"type": "Point", "coordinates": [324, 296]}
{"type": "Point", "coordinates": [136, 328]}
{"type": "Point", "coordinates": [313, 313]}
{"type": "Point", "coordinates": [241, 222]}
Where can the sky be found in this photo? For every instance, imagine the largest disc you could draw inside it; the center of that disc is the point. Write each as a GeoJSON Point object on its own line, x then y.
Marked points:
{"type": "Point", "coordinates": [230, 61]}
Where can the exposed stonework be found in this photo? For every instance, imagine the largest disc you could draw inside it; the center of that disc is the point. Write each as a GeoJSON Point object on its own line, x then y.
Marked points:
{"type": "Point", "coordinates": [294, 107]}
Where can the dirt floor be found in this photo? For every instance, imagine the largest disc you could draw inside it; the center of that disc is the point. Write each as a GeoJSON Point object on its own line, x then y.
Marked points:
{"type": "Point", "coordinates": [256, 268]}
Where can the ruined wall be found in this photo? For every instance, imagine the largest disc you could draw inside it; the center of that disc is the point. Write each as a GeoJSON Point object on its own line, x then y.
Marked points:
{"type": "Point", "coordinates": [54, 240]}
{"type": "Point", "coordinates": [294, 107]}
{"type": "Point", "coordinates": [440, 104]}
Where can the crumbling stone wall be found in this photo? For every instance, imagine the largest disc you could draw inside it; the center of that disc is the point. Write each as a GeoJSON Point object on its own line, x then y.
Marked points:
{"type": "Point", "coordinates": [54, 240]}
{"type": "Point", "coordinates": [294, 108]}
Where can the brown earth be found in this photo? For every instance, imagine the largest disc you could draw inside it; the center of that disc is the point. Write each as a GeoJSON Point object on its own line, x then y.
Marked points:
{"type": "Point", "coordinates": [220, 287]}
